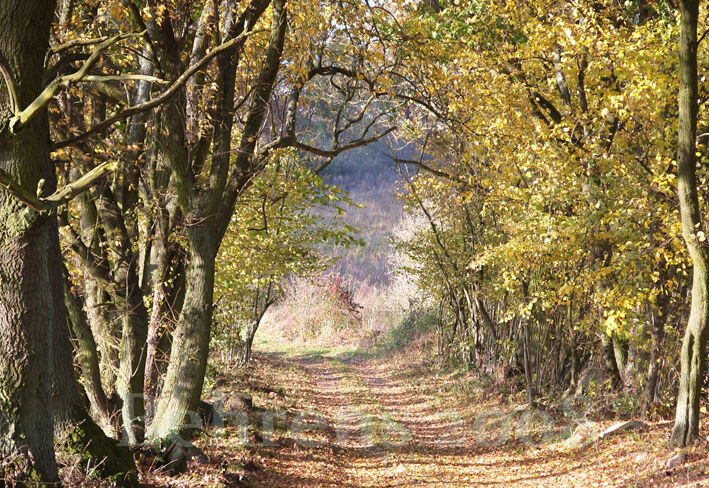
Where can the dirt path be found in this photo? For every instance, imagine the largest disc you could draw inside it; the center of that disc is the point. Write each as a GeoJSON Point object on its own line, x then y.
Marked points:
{"type": "Point", "coordinates": [365, 423]}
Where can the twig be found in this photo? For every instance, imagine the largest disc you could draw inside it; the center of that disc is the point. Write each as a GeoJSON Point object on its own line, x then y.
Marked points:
{"type": "Point", "coordinates": [75, 43]}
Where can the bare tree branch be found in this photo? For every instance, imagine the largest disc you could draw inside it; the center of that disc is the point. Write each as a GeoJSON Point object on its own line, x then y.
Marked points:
{"type": "Point", "coordinates": [75, 43]}
{"type": "Point", "coordinates": [332, 153]}
{"type": "Point", "coordinates": [20, 193]}
{"type": "Point", "coordinates": [290, 141]}
{"type": "Point", "coordinates": [21, 118]}
{"type": "Point", "coordinates": [81, 185]}
{"type": "Point", "coordinates": [142, 107]}
{"type": "Point", "coordinates": [435, 171]}
{"type": "Point", "coordinates": [130, 77]}
{"type": "Point", "coordinates": [59, 197]}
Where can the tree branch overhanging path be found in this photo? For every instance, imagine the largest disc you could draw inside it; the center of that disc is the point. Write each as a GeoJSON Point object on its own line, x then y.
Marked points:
{"type": "Point", "coordinates": [22, 117]}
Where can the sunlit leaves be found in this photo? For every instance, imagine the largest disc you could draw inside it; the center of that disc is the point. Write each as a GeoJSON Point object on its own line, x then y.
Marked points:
{"type": "Point", "coordinates": [560, 117]}
{"type": "Point", "coordinates": [279, 225]}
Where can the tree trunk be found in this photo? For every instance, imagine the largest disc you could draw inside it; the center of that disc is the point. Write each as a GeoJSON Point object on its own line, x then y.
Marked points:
{"type": "Point", "coordinates": [610, 360]}
{"type": "Point", "coordinates": [686, 427]}
{"type": "Point", "coordinates": [26, 308]}
{"type": "Point", "coordinates": [527, 364]}
{"type": "Point", "coordinates": [167, 303]}
{"type": "Point", "coordinates": [244, 354]}
{"type": "Point", "coordinates": [575, 363]}
{"type": "Point", "coordinates": [190, 347]}
{"type": "Point", "coordinates": [87, 353]}
{"type": "Point", "coordinates": [620, 353]}
{"type": "Point", "coordinates": [128, 298]}
{"type": "Point", "coordinates": [188, 362]}
{"type": "Point", "coordinates": [490, 325]}
{"type": "Point", "coordinates": [75, 432]}
{"type": "Point", "coordinates": [658, 337]}
{"type": "Point", "coordinates": [96, 299]}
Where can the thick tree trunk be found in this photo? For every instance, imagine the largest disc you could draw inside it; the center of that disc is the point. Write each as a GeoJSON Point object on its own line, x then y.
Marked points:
{"type": "Point", "coordinates": [188, 362]}
{"type": "Point", "coordinates": [105, 331]}
{"type": "Point", "coordinates": [26, 330]}
{"type": "Point", "coordinates": [167, 304]}
{"type": "Point", "coordinates": [96, 299]}
{"type": "Point", "coordinates": [190, 347]}
{"type": "Point", "coordinates": [150, 382]}
{"type": "Point", "coordinates": [129, 384]}
{"type": "Point", "coordinates": [26, 302]}
{"type": "Point", "coordinates": [686, 428]}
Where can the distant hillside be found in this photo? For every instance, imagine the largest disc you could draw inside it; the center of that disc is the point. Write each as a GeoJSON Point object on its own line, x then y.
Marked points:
{"type": "Point", "coordinates": [371, 178]}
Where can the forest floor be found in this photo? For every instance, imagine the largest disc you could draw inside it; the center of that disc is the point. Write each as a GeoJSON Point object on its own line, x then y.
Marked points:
{"type": "Point", "coordinates": [332, 420]}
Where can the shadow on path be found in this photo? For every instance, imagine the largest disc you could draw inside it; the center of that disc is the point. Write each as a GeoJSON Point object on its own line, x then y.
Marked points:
{"type": "Point", "coordinates": [362, 425]}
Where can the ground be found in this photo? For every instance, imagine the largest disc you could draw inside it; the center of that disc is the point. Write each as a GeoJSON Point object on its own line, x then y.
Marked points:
{"type": "Point", "coordinates": [324, 419]}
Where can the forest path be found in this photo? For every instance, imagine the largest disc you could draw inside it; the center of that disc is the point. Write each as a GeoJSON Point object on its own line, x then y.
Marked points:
{"type": "Point", "coordinates": [371, 423]}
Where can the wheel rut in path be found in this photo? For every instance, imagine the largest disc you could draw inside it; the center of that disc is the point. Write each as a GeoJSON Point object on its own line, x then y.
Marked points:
{"type": "Point", "coordinates": [360, 427]}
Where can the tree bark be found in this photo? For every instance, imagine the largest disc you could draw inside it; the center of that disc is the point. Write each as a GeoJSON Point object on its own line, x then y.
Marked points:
{"type": "Point", "coordinates": [527, 363]}
{"type": "Point", "coordinates": [87, 353]}
{"type": "Point", "coordinates": [128, 298]}
{"type": "Point", "coordinates": [620, 353]}
{"type": "Point", "coordinates": [188, 363]}
{"type": "Point", "coordinates": [26, 301]}
{"type": "Point", "coordinates": [611, 363]}
{"type": "Point", "coordinates": [575, 363]}
{"type": "Point", "coordinates": [244, 355]}
{"type": "Point", "coordinates": [490, 325]}
{"type": "Point", "coordinates": [168, 295]}
{"type": "Point", "coordinates": [686, 427]}
{"type": "Point", "coordinates": [96, 299]}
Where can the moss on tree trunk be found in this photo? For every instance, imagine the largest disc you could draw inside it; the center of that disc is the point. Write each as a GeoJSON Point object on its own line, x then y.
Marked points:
{"type": "Point", "coordinates": [26, 319]}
